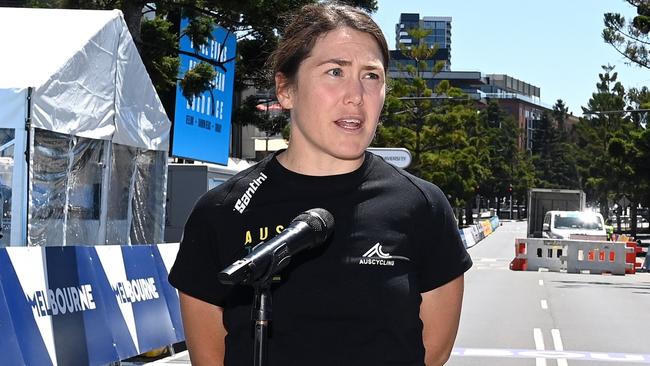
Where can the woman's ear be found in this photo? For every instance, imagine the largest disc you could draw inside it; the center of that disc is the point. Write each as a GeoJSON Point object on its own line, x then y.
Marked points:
{"type": "Point", "coordinates": [283, 90]}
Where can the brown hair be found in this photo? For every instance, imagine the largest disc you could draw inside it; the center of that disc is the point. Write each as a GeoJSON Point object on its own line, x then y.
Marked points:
{"type": "Point", "coordinates": [313, 21]}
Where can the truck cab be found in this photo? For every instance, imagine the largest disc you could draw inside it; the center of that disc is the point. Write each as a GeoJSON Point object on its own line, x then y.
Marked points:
{"type": "Point", "coordinates": [574, 225]}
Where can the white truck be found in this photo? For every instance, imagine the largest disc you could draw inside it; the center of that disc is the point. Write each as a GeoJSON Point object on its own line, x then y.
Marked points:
{"type": "Point", "coordinates": [562, 236]}
{"type": "Point", "coordinates": [580, 225]}
{"type": "Point", "coordinates": [542, 200]}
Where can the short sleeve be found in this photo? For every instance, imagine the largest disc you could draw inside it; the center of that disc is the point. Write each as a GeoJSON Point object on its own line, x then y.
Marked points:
{"type": "Point", "coordinates": [197, 263]}
{"type": "Point", "coordinates": [442, 256]}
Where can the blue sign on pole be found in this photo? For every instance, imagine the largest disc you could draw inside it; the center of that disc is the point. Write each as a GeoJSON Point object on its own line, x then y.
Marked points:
{"type": "Point", "coordinates": [202, 124]}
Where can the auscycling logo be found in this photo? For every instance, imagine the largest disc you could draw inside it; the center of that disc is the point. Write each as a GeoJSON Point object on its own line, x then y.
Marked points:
{"type": "Point", "coordinates": [376, 256]}
{"type": "Point", "coordinates": [245, 199]}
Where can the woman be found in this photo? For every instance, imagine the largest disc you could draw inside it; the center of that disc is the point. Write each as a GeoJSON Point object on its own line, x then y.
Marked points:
{"type": "Point", "coordinates": [386, 288]}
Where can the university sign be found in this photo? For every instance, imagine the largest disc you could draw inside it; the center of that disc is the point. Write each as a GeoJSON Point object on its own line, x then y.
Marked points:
{"type": "Point", "coordinates": [398, 156]}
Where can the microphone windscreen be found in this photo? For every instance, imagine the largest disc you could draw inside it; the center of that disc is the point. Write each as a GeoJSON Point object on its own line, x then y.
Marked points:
{"type": "Point", "coordinates": [319, 220]}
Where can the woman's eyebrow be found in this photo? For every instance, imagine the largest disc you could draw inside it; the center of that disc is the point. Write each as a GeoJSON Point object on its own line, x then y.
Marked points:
{"type": "Point", "coordinates": [337, 61]}
{"type": "Point", "coordinates": [344, 62]}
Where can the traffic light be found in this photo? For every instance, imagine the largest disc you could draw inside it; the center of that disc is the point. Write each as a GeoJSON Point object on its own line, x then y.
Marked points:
{"type": "Point", "coordinates": [510, 189]}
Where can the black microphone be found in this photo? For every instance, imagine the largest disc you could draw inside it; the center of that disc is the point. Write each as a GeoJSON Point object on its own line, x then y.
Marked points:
{"type": "Point", "coordinates": [308, 230]}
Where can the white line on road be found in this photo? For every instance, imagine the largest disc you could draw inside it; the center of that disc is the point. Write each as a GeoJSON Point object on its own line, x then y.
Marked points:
{"type": "Point", "coordinates": [539, 346]}
{"type": "Point", "coordinates": [544, 304]}
{"type": "Point", "coordinates": [541, 282]}
{"type": "Point", "coordinates": [557, 343]}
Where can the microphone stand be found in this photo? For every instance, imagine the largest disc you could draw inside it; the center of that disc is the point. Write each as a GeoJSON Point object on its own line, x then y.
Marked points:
{"type": "Point", "coordinates": [261, 316]}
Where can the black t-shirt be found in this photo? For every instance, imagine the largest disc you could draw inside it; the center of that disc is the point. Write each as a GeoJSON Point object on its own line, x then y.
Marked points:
{"type": "Point", "coordinates": [351, 301]}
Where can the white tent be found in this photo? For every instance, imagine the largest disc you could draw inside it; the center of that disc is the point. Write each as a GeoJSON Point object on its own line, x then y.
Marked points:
{"type": "Point", "coordinates": [74, 94]}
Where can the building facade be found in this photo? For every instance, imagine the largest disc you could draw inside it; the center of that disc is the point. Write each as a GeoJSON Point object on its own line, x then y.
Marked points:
{"type": "Point", "coordinates": [520, 99]}
{"type": "Point", "coordinates": [439, 34]}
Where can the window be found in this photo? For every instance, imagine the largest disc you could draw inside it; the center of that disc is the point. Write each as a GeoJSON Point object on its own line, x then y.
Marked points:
{"type": "Point", "coordinates": [578, 222]}
{"type": "Point", "coordinates": [441, 25]}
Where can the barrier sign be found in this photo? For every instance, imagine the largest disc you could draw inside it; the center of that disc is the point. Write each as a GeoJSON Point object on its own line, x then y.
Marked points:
{"type": "Point", "coordinates": [85, 305]}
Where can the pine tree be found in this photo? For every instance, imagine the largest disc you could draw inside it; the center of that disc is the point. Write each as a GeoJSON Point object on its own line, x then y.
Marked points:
{"type": "Point", "coordinates": [433, 123]}
{"type": "Point", "coordinates": [601, 139]}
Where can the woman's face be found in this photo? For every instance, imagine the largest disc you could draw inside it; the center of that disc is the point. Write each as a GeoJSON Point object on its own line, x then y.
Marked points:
{"type": "Point", "coordinates": [336, 97]}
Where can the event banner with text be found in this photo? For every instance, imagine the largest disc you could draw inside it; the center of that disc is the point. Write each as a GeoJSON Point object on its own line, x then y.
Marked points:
{"type": "Point", "coordinates": [202, 123]}
{"type": "Point", "coordinates": [86, 305]}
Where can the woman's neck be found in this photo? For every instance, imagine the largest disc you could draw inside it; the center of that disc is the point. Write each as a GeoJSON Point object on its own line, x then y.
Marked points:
{"type": "Point", "coordinates": [317, 164]}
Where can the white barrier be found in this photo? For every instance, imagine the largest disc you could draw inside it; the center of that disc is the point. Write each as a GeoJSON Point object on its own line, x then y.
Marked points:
{"type": "Point", "coordinates": [572, 256]}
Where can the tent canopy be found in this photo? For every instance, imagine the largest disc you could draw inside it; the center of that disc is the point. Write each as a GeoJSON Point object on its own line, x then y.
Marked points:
{"type": "Point", "coordinates": [86, 76]}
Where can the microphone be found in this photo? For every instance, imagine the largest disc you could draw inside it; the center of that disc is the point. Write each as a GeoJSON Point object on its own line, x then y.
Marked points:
{"type": "Point", "coordinates": [308, 230]}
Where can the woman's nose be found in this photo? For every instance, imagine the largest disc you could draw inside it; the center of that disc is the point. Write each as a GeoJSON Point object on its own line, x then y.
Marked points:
{"type": "Point", "coordinates": [354, 92]}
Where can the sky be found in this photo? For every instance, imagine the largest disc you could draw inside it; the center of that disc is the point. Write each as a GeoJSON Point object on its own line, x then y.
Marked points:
{"type": "Point", "coordinates": [555, 45]}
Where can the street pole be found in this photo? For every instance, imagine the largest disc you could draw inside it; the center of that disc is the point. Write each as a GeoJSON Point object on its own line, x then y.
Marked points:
{"type": "Point", "coordinates": [510, 204]}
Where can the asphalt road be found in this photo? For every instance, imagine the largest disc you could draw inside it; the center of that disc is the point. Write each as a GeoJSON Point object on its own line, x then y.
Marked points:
{"type": "Point", "coordinates": [543, 318]}
{"type": "Point", "coordinates": [548, 318]}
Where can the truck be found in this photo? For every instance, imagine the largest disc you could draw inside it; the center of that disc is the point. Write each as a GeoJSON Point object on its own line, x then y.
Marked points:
{"type": "Point", "coordinates": [563, 236]}
{"type": "Point", "coordinates": [581, 225]}
{"type": "Point", "coordinates": [542, 200]}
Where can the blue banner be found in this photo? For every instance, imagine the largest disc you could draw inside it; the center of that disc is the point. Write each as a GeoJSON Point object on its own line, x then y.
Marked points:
{"type": "Point", "coordinates": [202, 125]}
{"type": "Point", "coordinates": [164, 257]}
{"type": "Point", "coordinates": [85, 305]}
{"type": "Point", "coordinates": [9, 347]}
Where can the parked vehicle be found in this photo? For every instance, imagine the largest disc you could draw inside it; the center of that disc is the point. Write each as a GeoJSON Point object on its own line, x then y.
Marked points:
{"type": "Point", "coordinates": [574, 225]}
{"type": "Point", "coordinates": [541, 200]}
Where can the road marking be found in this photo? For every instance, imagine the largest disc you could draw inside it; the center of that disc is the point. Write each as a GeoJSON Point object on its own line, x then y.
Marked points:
{"type": "Point", "coordinates": [539, 346]}
{"type": "Point", "coordinates": [544, 304]}
{"type": "Point", "coordinates": [541, 282]}
{"type": "Point", "coordinates": [557, 344]}
{"type": "Point", "coordinates": [599, 357]}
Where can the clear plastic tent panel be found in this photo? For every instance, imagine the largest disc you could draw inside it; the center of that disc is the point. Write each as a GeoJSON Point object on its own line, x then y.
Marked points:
{"type": "Point", "coordinates": [66, 190]}
{"type": "Point", "coordinates": [148, 199]}
{"type": "Point", "coordinates": [136, 196]}
{"type": "Point", "coordinates": [84, 192]}
{"type": "Point", "coordinates": [7, 136]}
{"type": "Point", "coordinates": [123, 160]}
{"type": "Point", "coordinates": [49, 165]}
{"type": "Point", "coordinates": [77, 198]}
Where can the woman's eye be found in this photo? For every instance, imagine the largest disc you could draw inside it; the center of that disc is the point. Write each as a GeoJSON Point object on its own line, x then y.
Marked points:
{"type": "Point", "coordinates": [372, 75]}
{"type": "Point", "coordinates": [335, 72]}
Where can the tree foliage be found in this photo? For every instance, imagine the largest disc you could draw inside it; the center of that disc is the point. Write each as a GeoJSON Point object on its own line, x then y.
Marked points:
{"type": "Point", "coordinates": [612, 145]}
{"type": "Point", "coordinates": [630, 37]}
{"type": "Point", "coordinates": [510, 172]}
{"type": "Point", "coordinates": [431, 122]}
{"type": "Point", "coordinates": [553, 159]}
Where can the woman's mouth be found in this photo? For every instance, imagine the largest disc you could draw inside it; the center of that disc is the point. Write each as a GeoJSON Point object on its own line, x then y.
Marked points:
{"type": "Point", "coordinates": [349, 123]}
